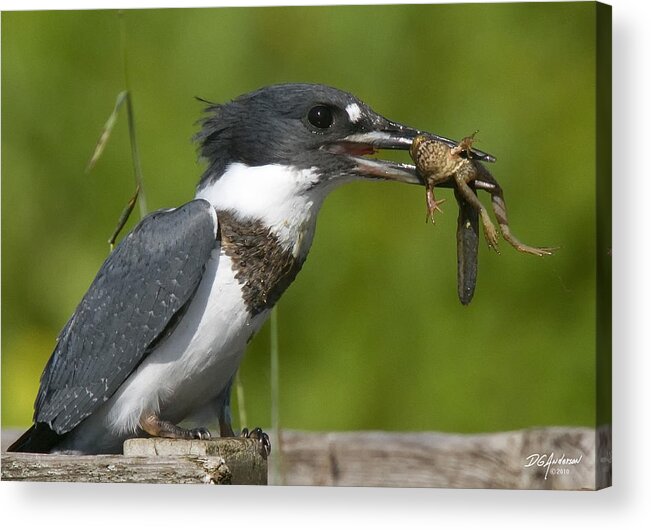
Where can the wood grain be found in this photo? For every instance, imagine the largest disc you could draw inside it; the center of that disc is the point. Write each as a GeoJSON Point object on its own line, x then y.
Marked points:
{"type": "Point", "coordinates": [388, 459]}
{"type": "Point", "coordinates": [441, 460]}
{"type": "Point", "coordinates": [154, 460]}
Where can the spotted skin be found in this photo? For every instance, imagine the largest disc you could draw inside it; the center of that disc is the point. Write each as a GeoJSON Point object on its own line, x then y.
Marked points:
{"type": "Point", "coordinates": [439, 163]}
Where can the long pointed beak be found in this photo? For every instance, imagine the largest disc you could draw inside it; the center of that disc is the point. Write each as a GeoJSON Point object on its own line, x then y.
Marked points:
{"type": "Point", "coordinates": [393, 136]}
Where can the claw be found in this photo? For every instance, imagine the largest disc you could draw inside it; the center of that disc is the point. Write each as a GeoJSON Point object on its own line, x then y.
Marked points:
{"type": "Point", "coordinates": [261, 437]}
{"type": "Point", "coordinates": [200, 433]}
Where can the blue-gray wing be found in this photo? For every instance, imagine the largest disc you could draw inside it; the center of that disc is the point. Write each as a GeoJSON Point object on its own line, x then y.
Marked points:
{"type": "Point", "coordinates": [131, 304]}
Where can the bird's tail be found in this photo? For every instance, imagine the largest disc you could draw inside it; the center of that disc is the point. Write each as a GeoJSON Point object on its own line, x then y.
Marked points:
{"type": "Point", "coordinates": [38, 438]}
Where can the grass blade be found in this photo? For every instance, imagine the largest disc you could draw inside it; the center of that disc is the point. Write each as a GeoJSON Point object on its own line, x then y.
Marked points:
{"type": "Point", "coordinates": [124, 217]}
{"type": "Point", "coordinates": [106, 131]}
{"type": "Point", "coordinates": [123, 98]}
{"type": "Point", "coordinates": [135, 153]}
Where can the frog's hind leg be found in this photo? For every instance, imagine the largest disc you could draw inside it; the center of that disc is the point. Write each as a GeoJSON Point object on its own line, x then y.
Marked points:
{"type": "Point", "coordinates": [491, 185]}
{"type": "Point", "coordinates": [461, 178]}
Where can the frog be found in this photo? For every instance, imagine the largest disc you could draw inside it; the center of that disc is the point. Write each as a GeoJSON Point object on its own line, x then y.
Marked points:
{"type": "Point", "coordinates": [441, 164]}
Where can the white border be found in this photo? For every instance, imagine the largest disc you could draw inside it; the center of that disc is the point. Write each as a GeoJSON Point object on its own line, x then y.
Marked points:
{"type": "Point", "coordinates": [626, 505]}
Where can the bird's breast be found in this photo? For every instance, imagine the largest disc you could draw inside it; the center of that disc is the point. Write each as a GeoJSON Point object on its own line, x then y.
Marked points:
{"type": "Point", "coordinates": [262, 265]}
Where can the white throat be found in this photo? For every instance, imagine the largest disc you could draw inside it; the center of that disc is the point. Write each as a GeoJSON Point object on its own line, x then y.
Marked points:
{"type": "Point", "coordinates": [284, 198]}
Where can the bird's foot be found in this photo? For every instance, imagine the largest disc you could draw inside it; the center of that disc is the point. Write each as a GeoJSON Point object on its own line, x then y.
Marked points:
{"type": "Point", "coordinates": [154, 426]}
{"type": "Point", "coordinates": [264, 443]}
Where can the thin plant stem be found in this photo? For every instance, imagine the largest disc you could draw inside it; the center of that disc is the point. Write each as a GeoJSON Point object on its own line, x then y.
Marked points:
{"type": "Point", "coordinates": [124, 98]}
{"type": "Point", "coordinates": [275, 397]}
{"type": "Point", "coordinates": [135, 153]}
{"type": "Point", "coordinates": [124, 216]}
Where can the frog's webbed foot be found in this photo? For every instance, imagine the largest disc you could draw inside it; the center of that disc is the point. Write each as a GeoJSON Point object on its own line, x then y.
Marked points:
{"type": "Point", "coordinates": [264, 443]}
{"type": "Point", "coordinates": [521, 247]}
{"type": "Point", "coordinates": [487, 182]}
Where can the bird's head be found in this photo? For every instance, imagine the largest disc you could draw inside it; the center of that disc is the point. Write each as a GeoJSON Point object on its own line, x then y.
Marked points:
{"type": "Point", "coordinates": [317, 128]}
{"type": "Point", "coordinates": [275, 153]}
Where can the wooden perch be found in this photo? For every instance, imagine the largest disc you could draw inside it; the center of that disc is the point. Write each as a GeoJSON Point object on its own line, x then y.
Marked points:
{"type": "Point", "coordinates": [424, 459]}
{"type": "Point", "coordinates": [152, 460]}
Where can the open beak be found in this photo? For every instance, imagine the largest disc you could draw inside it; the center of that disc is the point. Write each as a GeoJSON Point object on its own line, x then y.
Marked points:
{"type": "Point", "coordinates": [391, 136]}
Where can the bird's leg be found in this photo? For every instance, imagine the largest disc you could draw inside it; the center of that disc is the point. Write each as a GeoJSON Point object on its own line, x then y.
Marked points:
{"type": "Point", "coordinates": [224, 411]}
{"type": "Point", "coordinates": [499, 208]}
{"type": "Point", "coordinates": [225, 429]}
{"type": "Point", "coordinates": [464, 174]}
{"type": "Point", "coordinates": [225, 423]}
{"type": "Point", "coordinates": [154, 426]}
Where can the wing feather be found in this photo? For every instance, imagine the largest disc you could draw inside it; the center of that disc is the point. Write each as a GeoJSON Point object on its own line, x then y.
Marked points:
{"type": "Point", "coordinates": [148, 278]}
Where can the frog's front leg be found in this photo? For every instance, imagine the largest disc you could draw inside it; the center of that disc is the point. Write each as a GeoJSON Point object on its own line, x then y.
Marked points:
{"type": "Point", "coordinates": [433, 161]}
{"type": "Point", "coordinates": [465, 145]}
{"type": "Point", "coordinates": [467, 173]}
{"type": "Point", "coordinates": [431, 201]}
{"type": "Point", "coordinates": [491, 185]}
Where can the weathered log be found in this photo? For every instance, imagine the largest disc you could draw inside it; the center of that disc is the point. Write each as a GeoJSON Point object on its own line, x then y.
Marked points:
{"type": "Point", "coordinates": [426, 459]}
{"type": "Point", "coordinates": [155, 460]}
{"type": "Point", "coordinates": [242, 456]}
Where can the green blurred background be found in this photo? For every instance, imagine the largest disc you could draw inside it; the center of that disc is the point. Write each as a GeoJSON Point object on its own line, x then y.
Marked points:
{"type": "Point", "coordinates": [372, 335]}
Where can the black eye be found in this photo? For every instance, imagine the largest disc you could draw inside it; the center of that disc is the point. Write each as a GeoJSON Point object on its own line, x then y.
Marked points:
{"type": "Point", "coordinates": [320, 116]}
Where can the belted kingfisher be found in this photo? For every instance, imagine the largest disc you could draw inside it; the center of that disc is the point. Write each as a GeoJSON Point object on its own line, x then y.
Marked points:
{"type": "Point", "coordinates": [163, 327]}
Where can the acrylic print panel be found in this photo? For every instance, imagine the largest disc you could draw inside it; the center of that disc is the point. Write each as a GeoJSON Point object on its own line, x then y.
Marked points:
{"type": "Point", "coordinates": [381, 376]}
